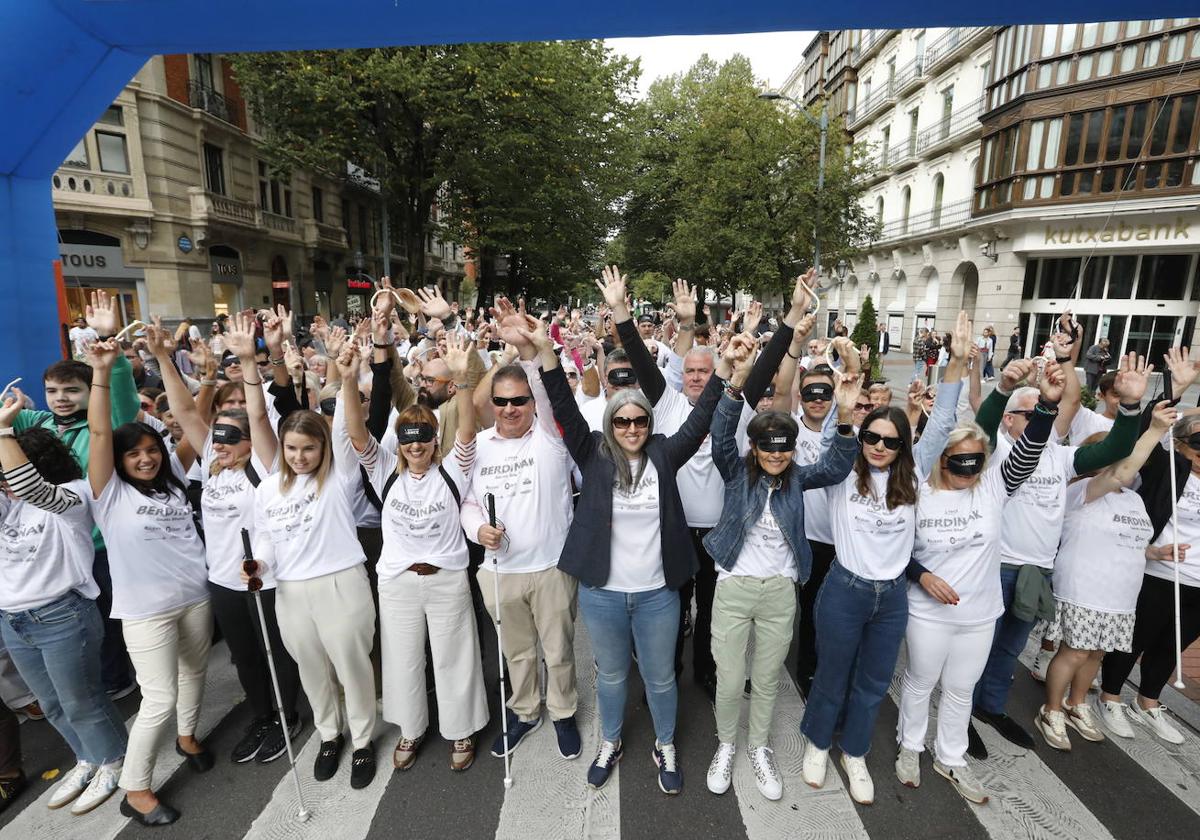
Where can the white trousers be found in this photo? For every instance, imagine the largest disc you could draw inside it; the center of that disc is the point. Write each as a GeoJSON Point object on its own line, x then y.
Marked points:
{"type": "Point", "coordinates": [328, 626]}
{"type": "Point", "coordinates": [170, 655]}
{"type": "Point", "coordinates": [955, 656]}
{"type": "Point", "coordinates": [410, 607]}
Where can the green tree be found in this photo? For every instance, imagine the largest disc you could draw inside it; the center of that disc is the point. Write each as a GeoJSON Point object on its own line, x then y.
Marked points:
{"type": "Point", "coordinates": [725, 185]}
{"type": "Point", "coordinates": [866, 332]}
{"type": "Point", "coordinates": [651, 286]}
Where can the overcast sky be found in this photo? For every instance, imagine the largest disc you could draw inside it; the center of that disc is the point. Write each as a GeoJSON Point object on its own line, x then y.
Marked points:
{"type": "Point", "coordinates": [772, 54]}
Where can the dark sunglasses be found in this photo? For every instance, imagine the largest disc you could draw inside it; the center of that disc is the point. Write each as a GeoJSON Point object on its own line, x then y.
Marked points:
{"type": "Point", "coordinates": [1024, 412]}
{"type": "Point", "coordinates": [864, 406]}
{"type": "Point", "coordinates": [501, 402]}
{"type": "Point", "coordinates": [871, 438]}
{"type": "Point", "coordinates": [816, 393]}
{"type": "Point", "coordinates": [250, 567]}
{"type": "Point", "coordinates": [640, 422]}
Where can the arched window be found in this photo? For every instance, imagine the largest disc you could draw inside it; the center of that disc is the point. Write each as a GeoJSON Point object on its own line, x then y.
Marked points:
{"type": "Point", "coordinates": [939, 185]}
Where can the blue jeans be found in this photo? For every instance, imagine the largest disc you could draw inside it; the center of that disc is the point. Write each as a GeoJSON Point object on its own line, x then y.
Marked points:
{"type": "Point", "coordinates": [56, 647]}
{"type": "Point", "coordinates": [991, 692]}
{"type": "Point", "coordinates": [618, 621]}
{"type": "Point", "coordinates": [860, 624]}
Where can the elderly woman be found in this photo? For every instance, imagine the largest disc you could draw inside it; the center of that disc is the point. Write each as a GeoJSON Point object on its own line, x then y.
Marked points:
{"type": "Point", "coordinates": [629, 547]}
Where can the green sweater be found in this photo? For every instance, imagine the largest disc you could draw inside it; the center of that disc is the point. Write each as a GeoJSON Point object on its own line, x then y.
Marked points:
{"type": "Point", "coordinates": [125, 408]}
{"type": "Point", "coordinates": [1117, 445]}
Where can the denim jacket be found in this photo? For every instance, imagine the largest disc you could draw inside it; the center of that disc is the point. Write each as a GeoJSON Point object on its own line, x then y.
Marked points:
{"type": "Point", "coordinates": [744, 504]}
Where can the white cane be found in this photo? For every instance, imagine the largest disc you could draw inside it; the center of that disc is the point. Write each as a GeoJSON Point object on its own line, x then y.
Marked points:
{"type": "Point", "coordinates": [490, 501]}
{"type": "Point", "coordinates": [1175, 562]}
{"type": "Point", "coordinates": [255, 585]}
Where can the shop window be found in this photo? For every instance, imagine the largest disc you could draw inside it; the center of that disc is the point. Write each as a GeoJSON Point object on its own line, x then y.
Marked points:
{"type": "Point", "coordinates": [1092, 284]}
{"type": "Point", "coordinates": [1059, 277]}
{"type": "Point", "coordinates": [1120, 278]}
{"type": "Point", "coordinates": [1163, 277]}
{"type": "Point", "coordinates": [1028, 288]}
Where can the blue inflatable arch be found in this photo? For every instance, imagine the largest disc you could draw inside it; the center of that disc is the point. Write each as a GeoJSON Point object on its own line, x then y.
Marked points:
{"type": "Point", "coordinates": [62, 62]}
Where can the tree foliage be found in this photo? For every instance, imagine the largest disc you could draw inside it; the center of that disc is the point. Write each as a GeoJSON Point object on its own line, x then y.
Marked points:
{"type": "Point", "coordinates": [524, 147]}
{"type": "Point", "coordinates": [725, 185]}
{"type": "Point", "coordinates": [866, 332]}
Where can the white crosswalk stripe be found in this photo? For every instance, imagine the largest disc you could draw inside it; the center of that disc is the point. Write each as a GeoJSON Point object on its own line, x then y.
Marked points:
{"type": "Point", "coordinates": [541, 776]}
{"type": "Point", "coordinates": [221, 693]}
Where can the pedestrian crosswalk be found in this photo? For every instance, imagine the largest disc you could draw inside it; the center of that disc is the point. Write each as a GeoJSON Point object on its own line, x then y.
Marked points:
{"type": "Point", "coordinates": [1036, 795]}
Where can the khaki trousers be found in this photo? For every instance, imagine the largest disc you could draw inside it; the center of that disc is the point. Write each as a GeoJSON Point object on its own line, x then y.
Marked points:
{"type": "Point", "coordinates": [536, 607]}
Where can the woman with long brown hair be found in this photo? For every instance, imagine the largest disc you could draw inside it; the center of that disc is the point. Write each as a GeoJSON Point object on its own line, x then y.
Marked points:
{"type": "Point", "coordinates": [862, 608]}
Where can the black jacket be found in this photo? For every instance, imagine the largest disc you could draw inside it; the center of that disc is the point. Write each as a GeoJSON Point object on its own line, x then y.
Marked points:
{"type": "Point", "coordinates": [587, 553]}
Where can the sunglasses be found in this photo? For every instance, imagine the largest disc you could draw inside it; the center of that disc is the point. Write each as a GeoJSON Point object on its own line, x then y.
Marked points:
{"type": "Point", "coordinates": [501, 402]}
{"type": "Point", "coordinates": [864, 406]}
{"type": "Point", "coordinates": [250, 567]}
{"type": "Point", "coordinates": [872, 438]}
{"type": "Point", "coordinates": [639, 422]}
{"type": "Point", "coordinates": [1024, 412]}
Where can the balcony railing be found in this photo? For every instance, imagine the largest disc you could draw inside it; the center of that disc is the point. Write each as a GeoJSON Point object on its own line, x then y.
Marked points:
{"type": "Point", "coordinates": [953, 127]}
{"type": "Point", "coordinates": [208, 205]}
{"type": "Point", "coordinates": [279, 224]}
{"type": "Point", "coordinates": [951, 43]}
{"type": "Point", "coordinates": [872, 40]}
{"type": "Point", "coordinates": [910, 76]}
{"type": "Point", "coordinates": [86, 183]}
{"type": "Point", "coordinates": [320, 235]}
{"type": "Point", "coordinates": [880, 98]}
{"type": "Point", "coordinates": [208, 100]}
{"type": "Point", "coordinates": [946, 217]}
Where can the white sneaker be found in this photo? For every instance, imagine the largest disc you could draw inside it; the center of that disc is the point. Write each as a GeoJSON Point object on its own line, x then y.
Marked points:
{"type": "Point", "coordinates": [812, 770]}
{"type": "Point", "coordinates": [104, 783]}
{"type": "Point", "coordinates": [720, 772]}
{"type": "Point", "coordinates": [1080, 719]}
{"type": "Point", "coordinates": [766, 774]}
{"type": "Point", "coordinates": [1156, 721]}
{"type": "Point", "coordinates": [72, 784]}
{"type": "Point", "coordinates": [1112, 714]}
{"type": "Point", "coordinates": [1040, 663]}
{"type": "Point", "coordinates": [1053, 726]}
{"type": "Point", "coordinates": [964, 781]}
{"type": "Point", "coordinates": [908, 767]}
{"type": "Point", "coordinates": [862, 789]}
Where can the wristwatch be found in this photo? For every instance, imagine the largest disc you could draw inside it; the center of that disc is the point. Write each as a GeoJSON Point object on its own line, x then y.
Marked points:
{"type": "Point", "coordinates": [8, 431]}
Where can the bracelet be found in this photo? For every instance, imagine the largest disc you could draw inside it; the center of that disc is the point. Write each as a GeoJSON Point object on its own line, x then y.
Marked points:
{"type": "Point", "coordinates": [248, 382]}
{"type": "Point", "coordinates": [105, 338]}
{"type": "Point", "coordinates": [733, 392]}
{"type": "Point", "coordinates": [98, 385]}
{"type": "Point", "coordinates": [686, 327]}
{"type": "Point", "coordinates": [462, 385]}
{"type": "Point", "coordinates": [278, 362]}
{"type": "Point", "coordinates": [1063, 360]}
{"type": "Point", "coordinates": [208, 383]}
{"type": "Point", "coordinates": [384, 346]}
{"type": "Point", "coordinates": [789, 352]}
{"type": "Point", "coordinates": [8, 431]}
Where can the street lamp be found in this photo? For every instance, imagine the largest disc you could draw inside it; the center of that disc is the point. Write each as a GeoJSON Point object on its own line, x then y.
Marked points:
{"type": "Point", "coordinates": [823, 125]}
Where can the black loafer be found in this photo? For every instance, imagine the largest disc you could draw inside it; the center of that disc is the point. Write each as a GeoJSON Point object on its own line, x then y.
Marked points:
{"type": "Point", "coordinates": [362, 767]}
{"type": "Point", "coordinates": [975, 746]}
{"type": "Point", "coordinates": [1008, 728]}
{"type": "Point", "coordinates": [326, 764]}
{"type": "Point", "coordinates": [200, 762]}
{"type": "Point", "coordinates": [161, 815]}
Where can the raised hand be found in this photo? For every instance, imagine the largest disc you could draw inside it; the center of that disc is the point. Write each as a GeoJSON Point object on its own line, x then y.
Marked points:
{"type": "Point", "coordinates": [160, 342]}
{"type": "Point", "coordinates": [11, 408]}
{"type": "Point", "coordinates": [458, 356]}
{"type": "Point", "coordinates": [1132, 378]}
{"type": "Point", "coordinates": [1014, 373]}
{"type": "Point", "coordinates": [915, 397]}
{"type": "Point", "coordinates": [537, 335]}
{"type": "Point", "coordinates": [1184, 370]}
{"type": "Point", "coordinates": [848, 354]}
{"type": "Point", "coordinates": [348, 361]}
{"type": "Point", "coordinates": [433, 304]}
{"type": "Point", "coordinates": [804, 328]}
{"type": "Point", "coordinates": [1163, 417]}
{"type": "Point", "coordinates": [612, 286]}
{"type": "Point", "coordinates": [320, 328]}
{"type": "Point", "coordinates": [1052, 382]}
{"type": "Point", "coordinates": [385, 302]}
{"type": "Point", "coordinates": [102, 355]}
{"type": "Point", "coordinates": [513, 323]}
{"type": "Point", "coordinates": [685, 301]}
{"type": "Point", "coordinates": [846, 391]}
{"type": "Point", "coordinates": [285, 321]}
{"type": "Point", "coordinates": [336, 340]}
{"type": "Point", "coordinates": [293, 361]}
{"type": "Point", "coordinates": [960, 337]}
{"type": "Point", "coordinates": [802, 298]}
{"type": "Point", "coordinates": [380, 325]}
{"type": "Point", "coordinates": [239, 338]}
{"type": "Point", "coordinates": [753, 317]}
{"type": "Point", "coordinates": [102, 314]}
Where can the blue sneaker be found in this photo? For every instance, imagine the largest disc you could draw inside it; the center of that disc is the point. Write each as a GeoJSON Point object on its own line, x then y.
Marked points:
{"type": "Point", "coordinates": [670, 777]}
{"type": "Point", "coordinates": [569, 744]}
{"type": "Point", "coordinates": [602, 767]}
{"type": "Point", "coordinates": [517, 730]}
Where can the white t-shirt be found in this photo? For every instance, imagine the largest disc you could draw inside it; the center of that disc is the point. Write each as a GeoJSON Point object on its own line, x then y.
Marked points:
{"type": "Point", "coordinates": [635, 563]}
{"type": "Point", "coordinates": [390, 442]}
{"type": "Point", "coordinates": [154, 553]}
{"type": "Point", "coordinates": [44, 555]}
{"type": "Point", "coordinates": [420, 522]}
{"type": "Point", "coordinates": [81, 337]}
{"type": "Point", "coordinates": [1033, 520]}
{"type": "Point", "coordinates": [530, 477]}
{"type": "Point", "coordinates": [872, 541]}
{"type": "Point", "coordinates": [1102, 557]}
{"type": "Point", "coordinates": [1087, 423]}
{"type": "Point", "coordinates": [1189, 534]}
{"type": "Point", "coordinates": [765, 553]}
{"type": "Point", "coordinates": [701, 488]}
{"type": "Point", "coordinates": [958, 539]}
{"type": "Point", "coordinates": [593, 413]}
{"type": "Point", "coordinates": [816, 501]}
{"type": "Point", "coordinates": [227, 503]}
{"type": "Point", "coordinates": [307, 534]}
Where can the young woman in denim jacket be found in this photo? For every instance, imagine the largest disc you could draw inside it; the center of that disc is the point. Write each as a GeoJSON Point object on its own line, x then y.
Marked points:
{"type": "Point", "coordinates": [862, 608]}
{"type": "Point", "coordinates": [761, 551]}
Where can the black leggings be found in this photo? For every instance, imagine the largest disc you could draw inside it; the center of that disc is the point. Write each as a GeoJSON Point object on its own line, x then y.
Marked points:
{"type": "Point", "coordinates": [1154, 637]}
{"type": "Point", "coordinates": [806, 597]}
{"type": "Point", "coordinates": [237, 616]}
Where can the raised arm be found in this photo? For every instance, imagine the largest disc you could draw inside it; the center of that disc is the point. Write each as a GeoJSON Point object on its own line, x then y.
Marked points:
{"type": "Point", "coordinates": [459, 352]}
{"type": "Point", "coordinates": [1022, 459]}
{"type": "Point", "coordinates": [685, 313]}
{"type": "Point", "coordinates": [650, 377]}
{"type": "Point", "coordinates": [1130, 385]}
{"type": "Point", "coordinates": [1066, 353]}
{"type": "Point", "coordinates": [734, 365]}
{"type": "Point", "coordinates": [22, 478]}
{"type": "Point", "coordinates": [1162, 419]}
{"type": "Point", "coordinates": [240, 340]}
{"type": "Point", "coordinates": [355, 424]}
{"type": "Point", "coordinates": [945, 408]}
{"type": "Point", "coordinates": [575, 433]}
{"type": "Point", "coordinates": [101, 355]}
{"type": "Point", "coordinates": [195, 427]}
{"type": "Point", "coordinates": [795, 323]}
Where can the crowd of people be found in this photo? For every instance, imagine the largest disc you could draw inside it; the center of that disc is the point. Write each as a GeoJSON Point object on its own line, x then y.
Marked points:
{"type": "Point", "coordinates": [389, 485]}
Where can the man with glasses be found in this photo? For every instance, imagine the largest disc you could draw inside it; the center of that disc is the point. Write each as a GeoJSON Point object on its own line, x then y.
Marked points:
{"type": "Point", "coordinates": [618, 376]}
{"type": "Point", "coordinates": [524, 465]}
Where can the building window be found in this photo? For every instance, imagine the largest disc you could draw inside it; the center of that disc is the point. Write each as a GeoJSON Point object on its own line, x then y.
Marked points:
{"type": "Point", "coordinates": [1120, 279]}
{"type": "Point", "coordinates": [204, 70]}
{"type": "Point", "coordinates": [214, 168]}
{"type": "Point", "coordinates": [114, 157]}
{"type": "Point", "coordinates": [906, 206]}
{"type": "Point", "coordinates": [318, 204]}
{"type": "Point", "coordinates": [114, 115]}
{"type": "Point", "coordinates": [939, 186]}
{"type": "Point", "coordinates": [363, 222]}
{"type": "Point", "coordinates": [1092, 284]}
{"type": "Point", "coordinates": [1058, 277]}
{"type": "Point", "coordinates": [273, 197]}
{"type": "Point", "coordinates": [78, 156]}
{"type": "Point", "coordinates": [1163, 277]}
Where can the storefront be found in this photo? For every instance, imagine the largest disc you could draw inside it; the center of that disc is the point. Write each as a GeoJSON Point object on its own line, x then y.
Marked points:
{"type": "Point", "coordinates": [93, 262]}
{"type": "Point", "coordinates": [1134, 280]}
{"type": "Point", "coordinates": [227, 280]}
{"type": "Point", "coordinates": [358, 295]}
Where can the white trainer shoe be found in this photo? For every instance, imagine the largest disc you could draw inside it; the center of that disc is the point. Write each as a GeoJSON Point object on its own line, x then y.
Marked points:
{"type": "Point", "coordinates": [908, 767]}
{"type": "Point", "coordinates": [1040, 663]}
{"type": "Point", "coordinates": [1156, 721]}
{"type": "Point", "coordinates": [1053, 726]}
{"type": "Point", "coordinates": [862, 789]}
{"type": "Point", "coordinates": [816, 762]}
{"type": "Point", "coordinates": [766, 774]}
{"type": "Point", "coordinates": [72, 784]}
{"type": "Point", "coordinates": [964, 781]}
{"type": "Point", "coordinates": [1113, 716]}
{"type": "Point", "coordinates": [1080, 719]}
{"type": "Point", "coordinates": [720, 772]}
{"type": "Point", "coordinates": [103, 785]}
